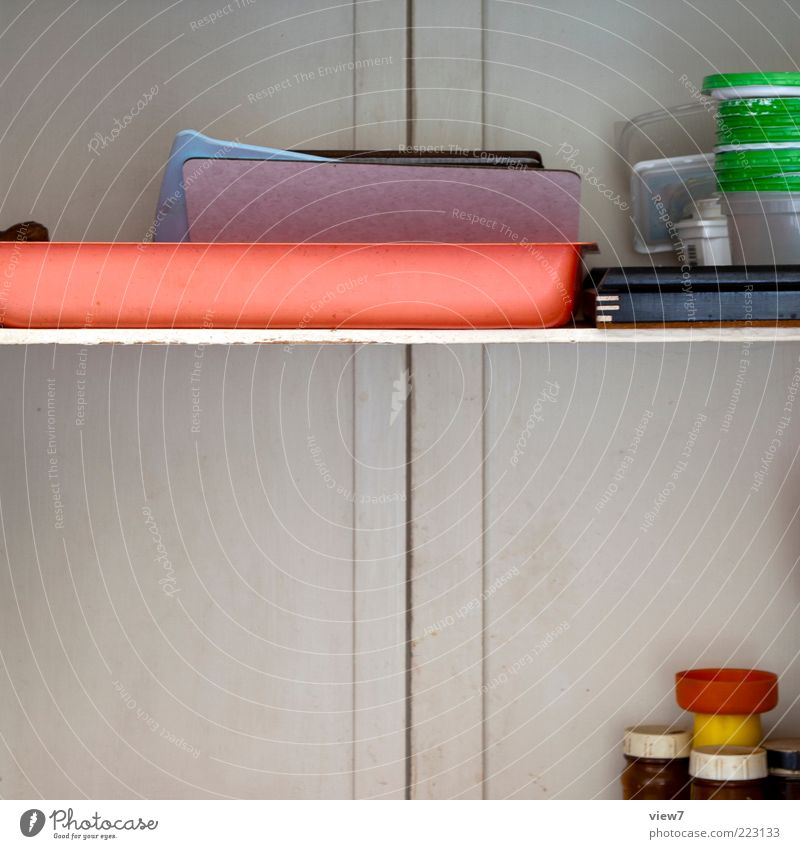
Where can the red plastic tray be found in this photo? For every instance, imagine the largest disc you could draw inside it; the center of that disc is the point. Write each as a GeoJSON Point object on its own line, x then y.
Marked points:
{"type": "Point", "coordinates": [224, 285]}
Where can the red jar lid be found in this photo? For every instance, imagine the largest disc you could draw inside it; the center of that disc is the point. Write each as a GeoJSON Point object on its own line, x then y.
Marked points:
{"type": "Point", "coordinates": [727, 691]}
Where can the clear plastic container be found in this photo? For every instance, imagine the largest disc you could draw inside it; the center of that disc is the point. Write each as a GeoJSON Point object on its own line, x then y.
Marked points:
{"type": "Point", "coordinates": [763, 227]}
{"type": "Point", "coordinates": [704, 235]}
{"type": "Point", "coordinates": [684, 130]}
{"type": "Point", "coordinates": [667, 151]}
{"type": "Point", "coordinates": [663, 192]}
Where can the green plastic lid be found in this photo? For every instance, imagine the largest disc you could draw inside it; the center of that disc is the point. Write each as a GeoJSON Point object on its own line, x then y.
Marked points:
{"type": "Point", "coordinates": [739, 178]}
{"type": "Point", "coordinates": [779, 159]}
{"type": "Point", "coordinates": [759, 107]}
{"type": "Point", "coordinates": [775, 78]}
{"type": "Point", "coordinates": [749, 134]}
{"type": "Point", "coordinates": [765, 122]}
{"type": "Point", "coordinates": [780, 183]}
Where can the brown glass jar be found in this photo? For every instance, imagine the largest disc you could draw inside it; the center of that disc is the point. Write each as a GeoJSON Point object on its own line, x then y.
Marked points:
{"type": "Point", "coordinates": [728, 772]}
{"type": "Point", "coordinates": [656, 762]}
{"type": "Point", "coordinates": [783, 762]}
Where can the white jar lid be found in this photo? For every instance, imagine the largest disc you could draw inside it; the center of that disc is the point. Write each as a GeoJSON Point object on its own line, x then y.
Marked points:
{"type": "Point", "coordinates": [728, 763]}
{"type": "Point", "coordinates": [663, 742]}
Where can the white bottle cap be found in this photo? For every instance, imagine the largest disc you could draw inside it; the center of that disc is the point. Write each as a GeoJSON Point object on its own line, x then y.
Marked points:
{"type": "Point", "coordinates": [656, 741]}
{"type": "Point", "coordinates": [728, 763]}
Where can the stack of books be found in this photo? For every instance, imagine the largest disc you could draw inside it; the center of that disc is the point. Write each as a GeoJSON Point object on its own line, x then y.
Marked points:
{"type": "Point", "coordinates": [754, 296]}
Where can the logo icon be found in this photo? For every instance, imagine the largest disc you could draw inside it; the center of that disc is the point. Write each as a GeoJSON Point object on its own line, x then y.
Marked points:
{"type": "Point", "coordinates": [31, 822]}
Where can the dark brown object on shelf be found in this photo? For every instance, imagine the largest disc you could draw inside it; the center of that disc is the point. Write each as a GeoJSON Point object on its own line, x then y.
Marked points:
{"type": "Point", "coordinates": [656, 763]}
{"type": "Point", "coordinates": [783, 787]}
{"type": "Point", "coordinates": [26, 231]}
{"type": "Point", "coordinates": [707, 296]}
{"type": "Point", "coordinates": [728, 773]}
{"type": "Point", "coordinates": [653, 779]}
{"type": "Point", "coordinates": [730, 791]}
{"type": "Point", "coordinates": [783, 762]}
{"type": "Point", "coordinates": [453, 155]}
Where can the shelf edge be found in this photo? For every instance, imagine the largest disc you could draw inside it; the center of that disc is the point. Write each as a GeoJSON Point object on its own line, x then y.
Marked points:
{"type": "Point", "coordinates": [564, 335]}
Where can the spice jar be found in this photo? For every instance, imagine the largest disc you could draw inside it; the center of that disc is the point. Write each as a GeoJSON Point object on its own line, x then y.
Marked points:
{"type": "Point", "coordinates": [727, 704]}
{"type": "Point", "coordinates": [783, 762]}
{"type": "Point", "coordinates": [657, 762]}
{"type": "Point", "coordinates": [728, 772]}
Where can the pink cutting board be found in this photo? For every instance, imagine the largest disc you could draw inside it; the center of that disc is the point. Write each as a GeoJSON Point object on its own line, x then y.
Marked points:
{"type": "Point", "coordinates": [231, 200]}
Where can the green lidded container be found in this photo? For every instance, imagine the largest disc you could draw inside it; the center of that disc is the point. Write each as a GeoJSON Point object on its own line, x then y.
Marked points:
{"type": "Point", "coordinates": [757, 163]}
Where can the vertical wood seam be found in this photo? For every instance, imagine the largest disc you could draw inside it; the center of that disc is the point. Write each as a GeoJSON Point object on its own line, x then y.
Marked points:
{"type": "Point", "coordinates": [354, 449]}
{"type": "Point", "coordinates": [355, 85]}
{"type": "Point", "coordinates": [484, 400]}
{"type": "Point", "coordinates": [354, 565]}
{"type": "Point", "coordinates": [409, 716]}
{"type": "Point", "coordinates": [410, 108]}
{"type": "Point", "coordinates": [409, 572]}
{"type": "Point", "coordinates": [484, 38]}
{"type": "Point", "coordinates": [484, 694]}
{"type": "Point", "coordinates": [419, 768]}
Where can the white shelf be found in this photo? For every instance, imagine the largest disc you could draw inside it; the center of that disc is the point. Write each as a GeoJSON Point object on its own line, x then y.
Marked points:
{"type": "Point", "coordinates": [569, 335]}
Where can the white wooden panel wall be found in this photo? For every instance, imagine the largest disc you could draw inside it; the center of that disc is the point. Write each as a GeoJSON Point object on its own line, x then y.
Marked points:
{"type": "Point", "coordinates": [446, 573]}
{"type": "Point", "coordinates": [237, 636]}
{"type": "Point", "coordinates": [379, 451]}
{"type": "Point", "coordinates": [268, 634]}
{"type": "Point", "coordinates": [379, 605]}
{"type": "Point", "coordinates": [281, 656]}
{"type": "Point", "coordinates": [549, 589]}
{"type": "Point", "coordinates": [540, 625]}
{"type": "Point", "coordinates": [585, 640]}
{"type": "Point", "coordinates": [446, 626]}
{"type": "Point", "coordinates": [599, 588]}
